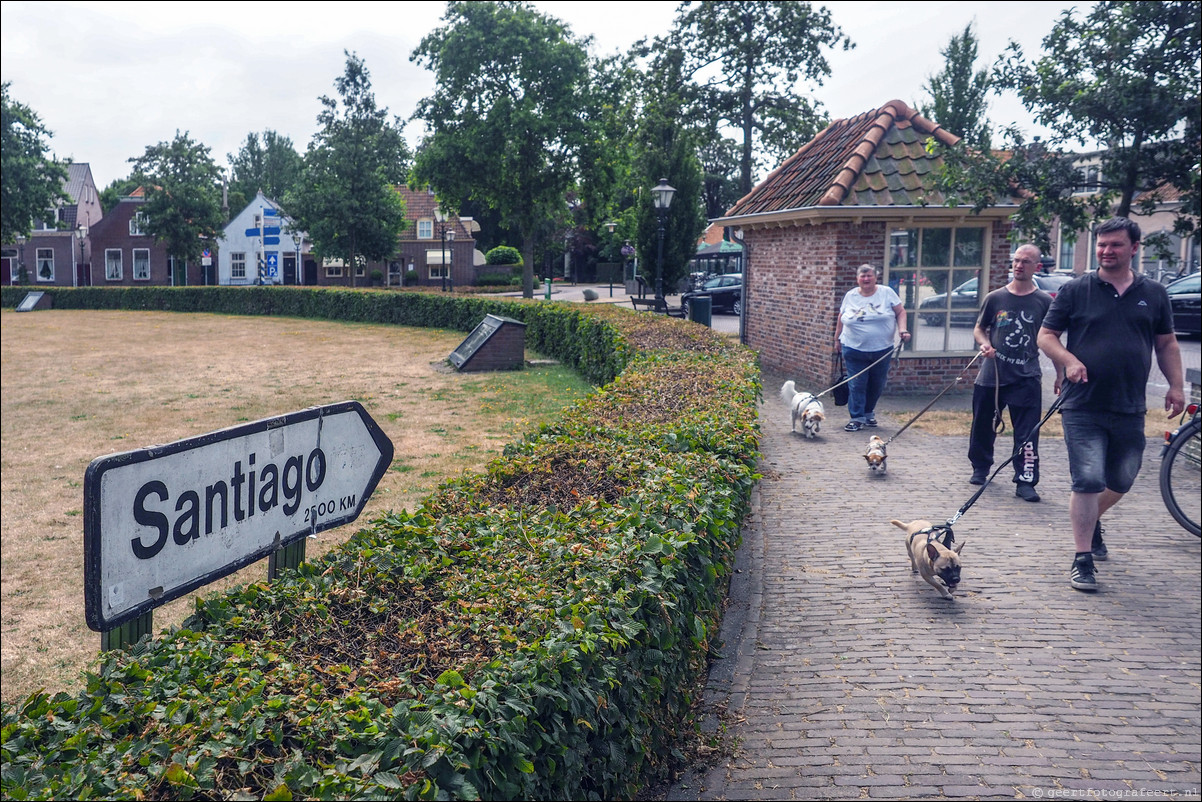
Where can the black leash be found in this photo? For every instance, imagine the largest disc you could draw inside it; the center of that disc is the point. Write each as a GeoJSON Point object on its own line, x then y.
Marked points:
{"type": "Point", "coordinates": [933, 400]}
{"type": "Point", "coordinates": [1017, 450]}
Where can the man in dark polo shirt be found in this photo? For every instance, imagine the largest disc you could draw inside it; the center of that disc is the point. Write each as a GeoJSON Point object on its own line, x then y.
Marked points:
{"type": "Point", "coordinates": [1115, 319]}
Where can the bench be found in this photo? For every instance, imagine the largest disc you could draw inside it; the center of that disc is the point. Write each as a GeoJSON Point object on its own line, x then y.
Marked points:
{"type": "Point", "coordinates": [656, 305]}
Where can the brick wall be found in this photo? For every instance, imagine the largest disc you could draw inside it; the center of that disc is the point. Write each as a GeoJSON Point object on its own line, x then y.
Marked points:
{"type": "Point", "coordinates": [796, 279]}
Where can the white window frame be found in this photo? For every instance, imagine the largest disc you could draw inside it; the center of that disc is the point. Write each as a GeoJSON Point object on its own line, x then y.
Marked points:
{"type": "Point", "coordinates": [136, 274]}
{"type": "Point", "coordinates": [237, 265]}
{"type": "Point", "coordinates": [333, 268]}
{"type": "Point", "coordinates": [967, 258]}
{"type": "Point", "coordinates": [425, 228]}
{"type": "Point", "coordinates": [109, 262]}
{"type": "Point", "coordinates": [434, 265]}
{"type": "Point", "coordinates": [44, 257]}
{"type": "Point", "coordinates": [137, 225]}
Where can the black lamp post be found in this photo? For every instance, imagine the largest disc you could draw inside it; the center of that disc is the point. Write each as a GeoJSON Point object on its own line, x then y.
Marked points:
{"type": "Point", "coordinates": [611, 225]}
{"type": "Point", "coordinates": [448, 234]}
{"type": "Point", "coordinates": [661, 199]}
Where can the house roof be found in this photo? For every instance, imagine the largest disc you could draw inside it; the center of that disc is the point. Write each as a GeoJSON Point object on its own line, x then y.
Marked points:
{"type": "Point", "coordinates": [878, 158]}
{"type": "Point", "coordinates": [420, 204]}
{"type": "Point", "coordinates": [77, 179]}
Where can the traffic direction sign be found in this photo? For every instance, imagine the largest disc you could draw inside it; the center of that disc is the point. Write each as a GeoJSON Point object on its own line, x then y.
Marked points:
{"type": "Point", "coordinates": [162, 521]}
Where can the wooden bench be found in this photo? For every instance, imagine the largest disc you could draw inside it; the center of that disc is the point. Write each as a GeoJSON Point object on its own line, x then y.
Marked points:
{"type": "Point", "coordinates": [659, 305]}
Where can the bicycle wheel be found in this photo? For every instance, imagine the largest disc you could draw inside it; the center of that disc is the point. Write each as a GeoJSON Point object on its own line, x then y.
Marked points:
{"type": "Point", "coordinates": [1181, 477]}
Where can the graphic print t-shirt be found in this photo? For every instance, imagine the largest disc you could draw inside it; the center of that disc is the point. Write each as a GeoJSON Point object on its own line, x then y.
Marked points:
{"type": "Point", "coordinates": [869, 323]}
{"type": "Point", "coordinates": [1012, 321]}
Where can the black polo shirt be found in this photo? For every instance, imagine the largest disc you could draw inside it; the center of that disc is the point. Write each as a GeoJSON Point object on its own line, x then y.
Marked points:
{"type": "Point", "coordinates": [1113, 336]}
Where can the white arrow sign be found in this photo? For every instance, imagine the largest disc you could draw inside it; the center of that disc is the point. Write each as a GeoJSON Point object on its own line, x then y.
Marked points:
{"type": "Point", "coordinates": [162, 521]}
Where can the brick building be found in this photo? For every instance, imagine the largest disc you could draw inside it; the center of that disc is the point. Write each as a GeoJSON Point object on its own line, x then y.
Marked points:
{"type": "Point", "coordinates": [860, 193]}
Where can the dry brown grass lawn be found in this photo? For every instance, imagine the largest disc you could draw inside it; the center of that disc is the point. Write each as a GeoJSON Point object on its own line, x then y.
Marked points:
{"type": "Point", "coordinates": [79, 385]}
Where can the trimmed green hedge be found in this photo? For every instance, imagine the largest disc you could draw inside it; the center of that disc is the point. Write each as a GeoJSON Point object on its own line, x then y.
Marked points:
{"type": "Point", "coordinates": [536, 631]}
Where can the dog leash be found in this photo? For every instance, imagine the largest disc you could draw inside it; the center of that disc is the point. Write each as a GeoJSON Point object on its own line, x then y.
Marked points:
{"type": "Point", "coordinates": [936, 398]}
{"type": "Point", "coordinates": [896, 350]}
{"type": "Point", "coordinates": [1018, 449]}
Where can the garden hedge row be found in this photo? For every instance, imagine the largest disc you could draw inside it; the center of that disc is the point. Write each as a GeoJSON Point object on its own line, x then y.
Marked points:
{"type": "Point", "coordinates": [536, 631]}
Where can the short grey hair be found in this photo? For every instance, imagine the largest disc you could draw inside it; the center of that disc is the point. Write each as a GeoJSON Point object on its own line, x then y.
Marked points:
{"type": "Point", "coordinates": [1028, 246]}
{"type": "Point", "coordinates": [866, 269]}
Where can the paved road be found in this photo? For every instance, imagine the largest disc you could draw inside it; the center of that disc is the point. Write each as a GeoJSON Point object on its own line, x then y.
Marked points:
{"type": "Point", "coordinates": [847, 677]}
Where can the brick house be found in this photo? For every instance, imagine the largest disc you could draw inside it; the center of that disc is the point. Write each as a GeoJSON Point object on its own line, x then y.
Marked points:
{"type": "Point", "coordinates": [1075, 250]}
{"type": "Point", "coordinates": [57, 252]}
{"type": "Point", "coordinates": [859, 193]}
{"type": "Point", "coordinates": [420, 248]}
{"type": "Point", "coordinates": [125, 255]}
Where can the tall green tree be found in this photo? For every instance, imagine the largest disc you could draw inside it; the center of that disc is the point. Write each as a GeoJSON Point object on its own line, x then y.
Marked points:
{"type": "Point", "coordinates": [30, 181]}
{"type": "Point", "coordinates": [347, 198]}
{"type": "Point", "coordinates": [117, 189]}
{"type": "Point", "coordinates": [747, 59]}
{"type": "Point", "coordinates": [1123, 81]}
{"type": "Point", "coordinates": [960, 92]}
{"type": "Point", "coordinates": [504, 124]}
{"type": "Point", "coordinates": [269, 163]}
{"type": "Point", "coordinates": [667, 150]}
{"type": "Point", "coordinates": [183, 196]}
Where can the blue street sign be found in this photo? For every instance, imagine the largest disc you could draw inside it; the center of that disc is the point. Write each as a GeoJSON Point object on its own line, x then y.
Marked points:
{"type": "Point", "coordinates": [273, 264]}
{"type": "Point", "coordinates": [252, 232]}
{"type": "Point", "coordinates": [270, 213]}
{"type": "Point", "coordinates": [272, 230]}
{"type": "Point", "coordinates": [271, 240]}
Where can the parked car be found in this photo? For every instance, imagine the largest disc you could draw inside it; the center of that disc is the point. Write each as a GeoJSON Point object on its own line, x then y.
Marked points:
{"type": "Point", "coordinates": [1185, 297]}
{"type": "Point", "coordinates": [965, 302]}
{"type": "Point", "coordinates": [725, 294]}
{"type": "Point", "coordinates": [964, 306]}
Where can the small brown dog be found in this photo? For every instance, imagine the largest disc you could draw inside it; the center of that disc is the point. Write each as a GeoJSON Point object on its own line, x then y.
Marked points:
{"type": "Point", "coordinates": [804, 407]}
{"type": "Point", "coordinates": [876, 455]}
{"type": "Point", "coordinates": [935, 562]}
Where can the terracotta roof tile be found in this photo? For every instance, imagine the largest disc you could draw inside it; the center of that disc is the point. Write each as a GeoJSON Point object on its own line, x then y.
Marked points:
{"type": "Point", "coordinates": [877, 158]}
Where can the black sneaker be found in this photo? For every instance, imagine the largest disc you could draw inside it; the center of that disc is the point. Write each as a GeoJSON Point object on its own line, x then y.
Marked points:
{"type": "Point", "coordinates": [1100, 552]}
{"type": "Point", "coordinates": [977, 478]}
{"type": "Point", "coordinates": [853, 426]}
{"type": "Point", "coordinates": [870, 423]}
{"type": "Point", "coordinates": [1026, 492]}
{"type": "Point", "coordinates": [1081, 576]}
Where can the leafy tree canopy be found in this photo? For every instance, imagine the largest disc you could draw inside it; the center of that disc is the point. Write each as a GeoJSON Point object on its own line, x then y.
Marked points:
{"type": "Point", "coordinates": [111, 195]}
{"type": "Point", "coordinates": [347, 198]}
{"type": "Point", "coordinates": [746, 60]}
{"type": "Point", "coordinates": [183, 197]}
{"type": "Point", "coordinates": [504, 121]}
{"type": "Point", "coordinates": [269, 163]}
{"type": "Point", "coordinates": [959, 92]}
{"type": "Point", "coordinates": [30, 182]}
{"type": "Point", "coordinates": [1122, 81]}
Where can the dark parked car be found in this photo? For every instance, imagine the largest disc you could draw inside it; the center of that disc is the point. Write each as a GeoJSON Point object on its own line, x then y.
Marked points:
{"type": "Point", "coordinates": [965, 302]}
{"type": "Point", "coordinates": [1184, 295]}
{"type": "Point", "coordinates": [724, 292]}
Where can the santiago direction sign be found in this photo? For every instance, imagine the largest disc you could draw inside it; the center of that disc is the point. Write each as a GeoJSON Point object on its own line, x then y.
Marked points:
{"type": "Point", "coordinates": [162, 521]}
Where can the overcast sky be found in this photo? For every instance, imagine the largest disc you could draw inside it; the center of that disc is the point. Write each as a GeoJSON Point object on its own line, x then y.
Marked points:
{"type": "Point", "coordinates": [109, 79]}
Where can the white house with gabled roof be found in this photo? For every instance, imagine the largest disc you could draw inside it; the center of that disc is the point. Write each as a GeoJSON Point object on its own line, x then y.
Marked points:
{"type": "Point", "coordinates": [261, 246]}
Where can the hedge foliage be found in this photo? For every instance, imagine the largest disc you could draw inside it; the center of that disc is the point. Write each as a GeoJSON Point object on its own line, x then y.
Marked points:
{"type": "Point", "coordinates": [536, 631]}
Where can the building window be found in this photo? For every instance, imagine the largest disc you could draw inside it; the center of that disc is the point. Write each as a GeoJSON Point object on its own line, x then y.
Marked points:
{"type": "Point", "coordinates": [940, 275]}
{"type": "Point", "coordinates": [425, 229]}
{"type": "Point", "coordinates": [141, 264]}
{"type": "Point", "coordinates": [434, 264]}
{"type": "Point", "coordinates": [137, 225]}
{"type": "Point", "coordinates": [45, 264]}
{"type": "Point", "coordinates": [238, 265]}
{"type": "Point", "coordinates": [1068, 253]}
{"type": "Point", "coordinates": [333, 268]}
{"type": "Point", "coordinates": [112, 264]}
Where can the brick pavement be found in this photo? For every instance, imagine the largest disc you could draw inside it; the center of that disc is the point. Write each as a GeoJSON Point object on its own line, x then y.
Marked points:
{"type": "Point", "coordinates": [848, 677]}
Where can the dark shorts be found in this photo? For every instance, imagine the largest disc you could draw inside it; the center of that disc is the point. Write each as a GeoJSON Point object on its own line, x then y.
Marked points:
{"type": "Point", "coordinates": [1105, 449]}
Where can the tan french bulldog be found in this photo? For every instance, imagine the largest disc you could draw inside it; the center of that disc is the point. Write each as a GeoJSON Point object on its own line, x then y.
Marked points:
{"type": "Point", "coordinates": [937, 564]}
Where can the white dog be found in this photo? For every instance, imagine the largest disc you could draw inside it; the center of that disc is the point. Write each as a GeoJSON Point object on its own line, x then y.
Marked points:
{"type": "Point", "coordinates": [804, 407]}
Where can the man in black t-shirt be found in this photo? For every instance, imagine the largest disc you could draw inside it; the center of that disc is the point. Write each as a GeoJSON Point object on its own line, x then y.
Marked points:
{"type": "Point", "coordinates": [1010, 375]}
{"type": "Point", "coordinates": [1115, 319]}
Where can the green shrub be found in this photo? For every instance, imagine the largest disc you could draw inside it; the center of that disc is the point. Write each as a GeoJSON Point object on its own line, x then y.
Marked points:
{"type": "Point", "coordinates": [503, 255]}
{"type": "Point", "coordinates": [498, 280]}
{"type": "Point", "coordinates": [536, 631]}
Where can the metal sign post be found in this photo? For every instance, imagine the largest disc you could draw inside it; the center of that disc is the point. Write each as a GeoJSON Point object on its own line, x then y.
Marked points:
{"type": "Point", "coordinates": [162, 521]}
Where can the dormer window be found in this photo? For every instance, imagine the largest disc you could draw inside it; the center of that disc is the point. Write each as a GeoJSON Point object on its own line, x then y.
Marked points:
{"type": "Point", "coordinates": [425, 229]}
{"type": "Point", "coordinates": [137, 225]}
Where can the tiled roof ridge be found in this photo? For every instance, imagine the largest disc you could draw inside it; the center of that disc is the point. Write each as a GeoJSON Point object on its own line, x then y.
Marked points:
{"type": "Point", "coordinates": [885, 117]}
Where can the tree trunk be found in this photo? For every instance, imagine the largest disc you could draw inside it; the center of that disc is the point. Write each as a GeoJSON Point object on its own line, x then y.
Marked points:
{"type": "Point", "coordinates": [527, 264]}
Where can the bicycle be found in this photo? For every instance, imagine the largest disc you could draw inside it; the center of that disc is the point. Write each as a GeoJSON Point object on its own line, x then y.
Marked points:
{"type": "Point", "coordinates": [1181, 472]}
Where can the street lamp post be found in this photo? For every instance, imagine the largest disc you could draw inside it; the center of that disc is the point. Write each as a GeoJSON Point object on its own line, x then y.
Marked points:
{"type": "Point", "coordinates": [661, 199]}
{"type": "Point", "coordinates": [611, 225]}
